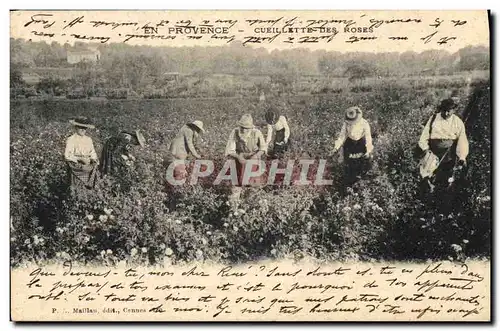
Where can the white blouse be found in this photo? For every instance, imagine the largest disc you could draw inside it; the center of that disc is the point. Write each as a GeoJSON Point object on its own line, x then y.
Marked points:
{"type": "Point", "coordinates": [280, 124]}
{"type": "Point", "coordinates": [79, 146]}
{"type": "Point", "coordinates": [452, 128]}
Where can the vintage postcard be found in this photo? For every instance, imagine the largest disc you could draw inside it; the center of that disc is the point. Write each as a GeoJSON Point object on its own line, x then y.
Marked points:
{"type": "Point", "coordinates": [250, 166]}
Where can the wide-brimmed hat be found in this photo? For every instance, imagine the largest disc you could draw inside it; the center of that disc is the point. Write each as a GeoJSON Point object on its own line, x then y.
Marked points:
{"type": "Point", "coordinates": [246, 121]}
{"type": "Point", "coordinates": [140, 138]}
{"type": "Point", "coordinates": [199, 125]}
{"type": "Point", "coordinates": [82, 122]}
{"type": "Point", "coordinates": [353, 113]}
{"type": "Point", "coordinates": [447, 104]}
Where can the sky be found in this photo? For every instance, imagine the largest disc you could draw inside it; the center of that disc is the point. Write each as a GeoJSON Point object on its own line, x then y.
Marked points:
{"type": "Point", "coordinates": [367, 31]}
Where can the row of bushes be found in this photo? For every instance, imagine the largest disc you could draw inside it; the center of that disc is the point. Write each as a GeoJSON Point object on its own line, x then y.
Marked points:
{"type": "Point", "coordinates": [77, 93]}
{"type": "Point", "coordinates": [229, 87]}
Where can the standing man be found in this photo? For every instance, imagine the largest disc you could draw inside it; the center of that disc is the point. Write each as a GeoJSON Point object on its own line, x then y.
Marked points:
{"type": "Point", "coordinates": [445, 145]}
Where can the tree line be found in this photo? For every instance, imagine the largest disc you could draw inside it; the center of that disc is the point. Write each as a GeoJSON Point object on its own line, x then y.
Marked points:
{"type": "Point", "coordinates": [123, 65]}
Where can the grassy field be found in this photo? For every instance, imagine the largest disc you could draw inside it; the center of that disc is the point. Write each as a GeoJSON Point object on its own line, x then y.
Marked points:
{"type": "Point", "coordinates": [227, 85]}
{"type": "Point", "coordinates": [148, 224]}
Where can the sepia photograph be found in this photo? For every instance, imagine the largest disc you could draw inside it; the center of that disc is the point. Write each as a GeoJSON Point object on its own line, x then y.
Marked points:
{"type": "Point", "coordinates": [171, 140]}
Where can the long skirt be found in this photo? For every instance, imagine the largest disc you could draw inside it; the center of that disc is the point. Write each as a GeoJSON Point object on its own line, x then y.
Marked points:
{"type": "Point", "coordinates": [279, 150]}
{"type": "Point", "coordinates": [355, 163]}
{"type": "Point", "coordinates": [445, 150]}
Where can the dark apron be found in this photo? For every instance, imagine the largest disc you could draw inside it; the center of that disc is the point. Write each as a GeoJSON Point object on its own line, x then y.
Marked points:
{"type": "Point", "coordinates": [440, 147]}
{"type": "Point", "coordinates": [352, 147]}
{"type": "Point", "coordinates": [280, 149]}
{"type": "Point", "coordinates": [445, 150]}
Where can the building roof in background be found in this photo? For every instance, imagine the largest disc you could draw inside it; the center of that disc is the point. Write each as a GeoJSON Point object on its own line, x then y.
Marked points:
{"type": "Point", "coordinates": [83, 52]}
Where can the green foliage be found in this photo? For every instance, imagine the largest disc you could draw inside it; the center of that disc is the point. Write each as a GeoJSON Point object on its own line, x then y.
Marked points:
{"type": "Point", "coordinates": [16, 78]}
{"type": "Point", "coordinates": [135, 66]}
{"type": "Point", "coordinates": [234, 70]}
{"type": "Point", "coordinates": [52, 86]}
{"type": "Point", "coordinates": [357, 70]}
{"type": "Point", "coordinates": [474, 58]}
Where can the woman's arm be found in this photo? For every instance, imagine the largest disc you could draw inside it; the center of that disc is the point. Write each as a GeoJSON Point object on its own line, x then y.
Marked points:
{"type": "Point", "coordinates": [423, 142]}
{"type": "Point", "coordinates": [269, 135]}
{"type": "Point", "coordinates": [341, 138]}
{"type": "Point", "coordinates": [93, 154]}
{"type": "Point", "coordinates": [69, 152]}
{"type": "Point", "coordinates": [231, 146]}
{"type": "Point", "coordinates": [368, 138]}
{"type": "Point", "coordinates": [286, 127]}
{"type": "Point", "coordinates": [189, 137]}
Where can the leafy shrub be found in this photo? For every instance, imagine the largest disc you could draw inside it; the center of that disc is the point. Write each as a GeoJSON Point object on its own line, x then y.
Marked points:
{"type": "Point", "coordinates": [357, 89]}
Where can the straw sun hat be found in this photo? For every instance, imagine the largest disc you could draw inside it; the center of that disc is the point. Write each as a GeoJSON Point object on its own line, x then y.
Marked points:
{"type": "Point", "coordinates": [137, 134]}
{"type": "Point", "coordinates": [246, 121]}
{"type": "Point", "coordinates": [353, 113]}
{"type": "Point", "coordinates": [199, 125]}
{"type": "Point", "coordinates": [82, 122]}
